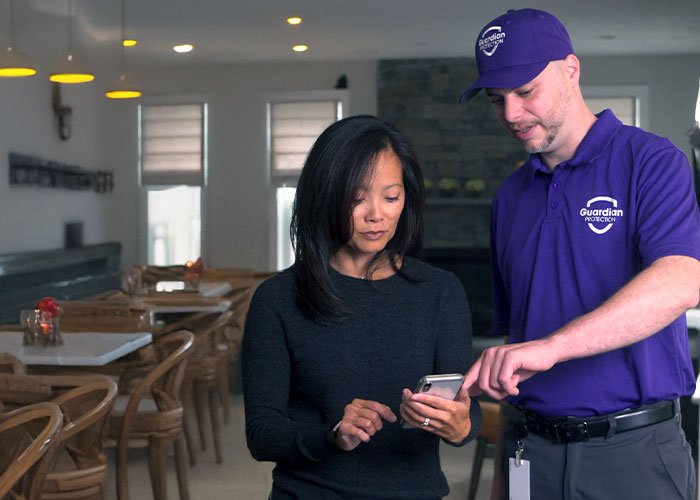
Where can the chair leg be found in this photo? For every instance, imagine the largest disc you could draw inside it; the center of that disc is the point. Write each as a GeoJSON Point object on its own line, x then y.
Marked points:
{"type": "Point", "coordinates": [224, 389]}
{"type": "Point", "coordinates": [476, 467]}
{"type": "Point", "coordinates": [201, 394]}
{"type": "Point", "coordinates": [186, 391]}
{"type": "Point", "coordinates": [122, 479]}
{"type": "Point", "coordinates": [215, 424]}
{"type": "Point", "coordinates": [187, 432]}
{"type": "Point", "coordinates": [181, 469]}
{"type": "Point", "coordinates": [156, 467]}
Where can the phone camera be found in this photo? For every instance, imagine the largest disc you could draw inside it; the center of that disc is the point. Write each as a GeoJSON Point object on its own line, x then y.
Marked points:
{"type": "Point", "coordinates": [427, 387]}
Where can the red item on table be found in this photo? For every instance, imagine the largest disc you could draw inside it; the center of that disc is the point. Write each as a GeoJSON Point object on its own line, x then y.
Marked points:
{"type": "Point", "coordinates": [49, 306]}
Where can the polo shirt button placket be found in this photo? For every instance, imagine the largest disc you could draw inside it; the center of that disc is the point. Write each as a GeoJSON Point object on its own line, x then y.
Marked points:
{"type": "Point", "coordinates": [554, 197]}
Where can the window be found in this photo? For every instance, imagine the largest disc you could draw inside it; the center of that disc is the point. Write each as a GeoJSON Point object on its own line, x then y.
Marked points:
{"type": "Point", "coordinates": [629, 103]}
{"type": "Point", "coordinates": [173, 175]}
{"type": "Point", "coordinates": [295, 120]}
{"type": "Point", "coordinates": [697, 106]}
{"type": "Point", "coordinates": [294, 126]}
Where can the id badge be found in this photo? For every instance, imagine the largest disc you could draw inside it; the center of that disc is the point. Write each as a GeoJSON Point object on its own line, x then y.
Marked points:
{"type": "Point", "coordinates": [519, 480]}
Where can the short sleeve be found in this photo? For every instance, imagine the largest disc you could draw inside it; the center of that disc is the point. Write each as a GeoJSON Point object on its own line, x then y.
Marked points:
{"type": "Point", "coordinates": [667, 208]}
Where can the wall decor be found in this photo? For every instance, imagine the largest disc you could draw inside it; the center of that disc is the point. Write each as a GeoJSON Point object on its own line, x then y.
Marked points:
{"type": "Point", "coordinates": [27, 170]}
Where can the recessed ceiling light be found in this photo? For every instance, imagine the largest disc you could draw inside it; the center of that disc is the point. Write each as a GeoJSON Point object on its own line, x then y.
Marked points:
{"type": "Point", "coordinates": [129, 43]}
{"type": "Point", "coordinates": [300, 48]}
{"type": "Point", "coordinates": [294, 20]}
{"type": "Point", "coordinates": [185, 47]}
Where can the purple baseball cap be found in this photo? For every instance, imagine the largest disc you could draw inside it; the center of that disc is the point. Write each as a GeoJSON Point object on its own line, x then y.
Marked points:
{"type": "Point", "coordinates": [515, 47]}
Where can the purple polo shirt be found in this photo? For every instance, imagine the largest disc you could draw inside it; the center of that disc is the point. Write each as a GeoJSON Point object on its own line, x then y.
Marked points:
{"type": "Point", "coordinates": [562, 242]}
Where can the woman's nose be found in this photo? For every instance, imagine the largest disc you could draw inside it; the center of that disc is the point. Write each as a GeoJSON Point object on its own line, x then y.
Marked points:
{"type": "Point", "coordinates": [374, 212]}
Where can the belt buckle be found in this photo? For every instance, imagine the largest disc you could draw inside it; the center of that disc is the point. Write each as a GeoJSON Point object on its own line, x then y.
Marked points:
{"type": "Point", "coordinates": [571, 432]}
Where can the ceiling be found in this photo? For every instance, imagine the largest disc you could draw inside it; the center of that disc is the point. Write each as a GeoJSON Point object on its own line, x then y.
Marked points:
{"type": "Point", "coordinates": [234, 31]}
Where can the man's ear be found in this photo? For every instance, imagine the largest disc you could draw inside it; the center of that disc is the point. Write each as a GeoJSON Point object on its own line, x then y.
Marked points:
{"type": "Point", "coordinates": [572, 68]}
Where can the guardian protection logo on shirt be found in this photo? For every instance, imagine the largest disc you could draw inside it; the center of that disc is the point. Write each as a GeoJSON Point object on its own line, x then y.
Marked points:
{"type": "Point", "coordinates": [490, 39]}
{"type": "Point", "coordinates": [601, 213]}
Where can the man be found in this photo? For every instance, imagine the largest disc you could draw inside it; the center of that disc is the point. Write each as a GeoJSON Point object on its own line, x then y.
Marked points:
{"type": "Point", "coordinates": [595, 244]}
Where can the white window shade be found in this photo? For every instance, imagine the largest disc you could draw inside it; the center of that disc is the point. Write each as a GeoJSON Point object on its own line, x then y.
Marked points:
{"type": "Point", "coordinates": [294, 126]}
{"type": "Point", "coordinates": [625, 108]}
{"type": "Point", "coordinates": [172, 145]}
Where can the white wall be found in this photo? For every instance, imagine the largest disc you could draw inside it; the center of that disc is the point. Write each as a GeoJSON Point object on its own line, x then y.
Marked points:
{"type": "Point", "coordinates": [32, 218]}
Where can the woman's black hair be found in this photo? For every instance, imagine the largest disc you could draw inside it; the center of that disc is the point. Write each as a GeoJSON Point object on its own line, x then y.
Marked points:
{"type": "Point", "coordinates": [340, 160]}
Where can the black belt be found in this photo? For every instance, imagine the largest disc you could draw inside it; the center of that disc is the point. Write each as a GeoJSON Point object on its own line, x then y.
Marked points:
{"type": "Point", "coordinates": [574, 429]}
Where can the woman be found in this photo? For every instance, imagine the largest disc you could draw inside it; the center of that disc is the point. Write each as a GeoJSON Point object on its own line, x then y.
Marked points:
{"type": "Point", "coordinates": [331, 342]}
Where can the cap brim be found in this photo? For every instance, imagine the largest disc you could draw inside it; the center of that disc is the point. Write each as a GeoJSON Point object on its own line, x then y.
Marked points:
{"type": "Point", "coordinates": [505, 78]}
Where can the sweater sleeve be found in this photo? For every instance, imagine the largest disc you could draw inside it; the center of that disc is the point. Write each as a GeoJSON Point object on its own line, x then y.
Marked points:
{"type": "Point", "coordinates": [270, 434]}
{"type": "Point", "coordinates": [453, 352]}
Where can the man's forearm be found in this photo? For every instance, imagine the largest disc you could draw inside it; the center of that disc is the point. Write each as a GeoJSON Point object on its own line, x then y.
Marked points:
{"type": "Point", "coordinates": [652, 300]}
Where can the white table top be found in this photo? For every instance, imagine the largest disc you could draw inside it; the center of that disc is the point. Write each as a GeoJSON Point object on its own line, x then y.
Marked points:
{"type": "Point", "coordinates": [78, 349]}
{"type": "Point", "coordinates": [214, 288]}
{"type": "Point", "coordinates": [187, 308]}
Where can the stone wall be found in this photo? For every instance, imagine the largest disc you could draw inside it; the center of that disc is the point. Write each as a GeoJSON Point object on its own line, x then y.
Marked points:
{"type": "Point", "coordinates": [461, 142]}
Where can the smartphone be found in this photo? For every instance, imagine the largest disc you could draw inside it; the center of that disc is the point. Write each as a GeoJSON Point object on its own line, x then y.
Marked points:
{"type": "Point", "coordinates": [446, 386]}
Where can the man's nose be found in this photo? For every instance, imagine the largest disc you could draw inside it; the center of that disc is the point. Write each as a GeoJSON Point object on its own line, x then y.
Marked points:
{"type": "Point", "coordinates": [512, 109]}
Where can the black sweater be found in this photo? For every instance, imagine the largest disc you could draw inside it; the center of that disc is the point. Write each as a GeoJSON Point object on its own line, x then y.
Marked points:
{"type": "Point", "coordinates": [298, 376]}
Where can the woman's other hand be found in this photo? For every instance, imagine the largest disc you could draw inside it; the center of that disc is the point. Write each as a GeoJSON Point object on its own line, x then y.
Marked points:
{"type": "Point", "coordinates": [361, 420]}
{"type": "Point", "coordinates": [445, 418]}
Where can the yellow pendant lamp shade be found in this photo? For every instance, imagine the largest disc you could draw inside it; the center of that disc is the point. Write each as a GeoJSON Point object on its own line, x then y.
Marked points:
{"type": "Point", "coordinates": [71, 72]}
{"type": "Point", "coordinates": [123, 90]}
{"type": "Point", "coordinates": [15, 63]}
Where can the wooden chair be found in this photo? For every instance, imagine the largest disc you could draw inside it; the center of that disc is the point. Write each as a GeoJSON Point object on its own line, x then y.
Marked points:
{"type": "Point", "coordinates": [78, 468]}
{"type": "Point", "coordinates": [486, 439]}
{"type": "Point", "coordinates": [151, 415]}
{"type": "Point", "coordinates": [10, 364]}
{"type": "Point", "coordinates": [28, 435]}
{"type": "Point", "coordinates": [103, 316]}
{"type": "Point", "coordinates": [199, 388]}
{"type": "Point", "coordinates": [150, 275]}
{"type": "Point", "coordinates": [227, 344]}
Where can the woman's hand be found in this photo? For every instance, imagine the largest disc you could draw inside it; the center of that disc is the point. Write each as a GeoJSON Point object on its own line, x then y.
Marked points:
{"type": "Point", "coordinates": [448, 419]}
{"type": "Point", "coordinates": [361, 420]}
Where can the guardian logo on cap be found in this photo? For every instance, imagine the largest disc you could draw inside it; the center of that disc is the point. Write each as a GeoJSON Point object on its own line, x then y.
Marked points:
{"type": "Point", "coordinates": [490, 40]}
{"type": "Point", "coordinates": [535, 38]}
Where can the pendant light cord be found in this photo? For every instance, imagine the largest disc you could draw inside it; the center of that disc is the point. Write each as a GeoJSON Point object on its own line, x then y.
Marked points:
{"type": "Point", "coordinates": [71, 8]}
{"type": "Point", "coordinates": [10, 31]}
{"type": "Point", "coordinates": [123, 63]}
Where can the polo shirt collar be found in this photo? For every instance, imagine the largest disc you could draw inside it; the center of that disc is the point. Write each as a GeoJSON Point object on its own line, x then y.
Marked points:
{"type": "Point", "coordinates": [592, 146]}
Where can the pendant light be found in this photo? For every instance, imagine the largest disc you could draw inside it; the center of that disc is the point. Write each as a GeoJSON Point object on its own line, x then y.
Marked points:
{"type": "Point", "coordinates": [71, 70]}
{"type": "Point", "coordinates": [13, 62]}
{"type": "Point", "coordinates": [123, 89]}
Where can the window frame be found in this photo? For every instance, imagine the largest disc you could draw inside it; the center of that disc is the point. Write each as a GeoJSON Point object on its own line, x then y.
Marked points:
{"type": "Point", "coordinates": [144, 188]}
{"type": "Point", "coordinates": [277, 180]}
